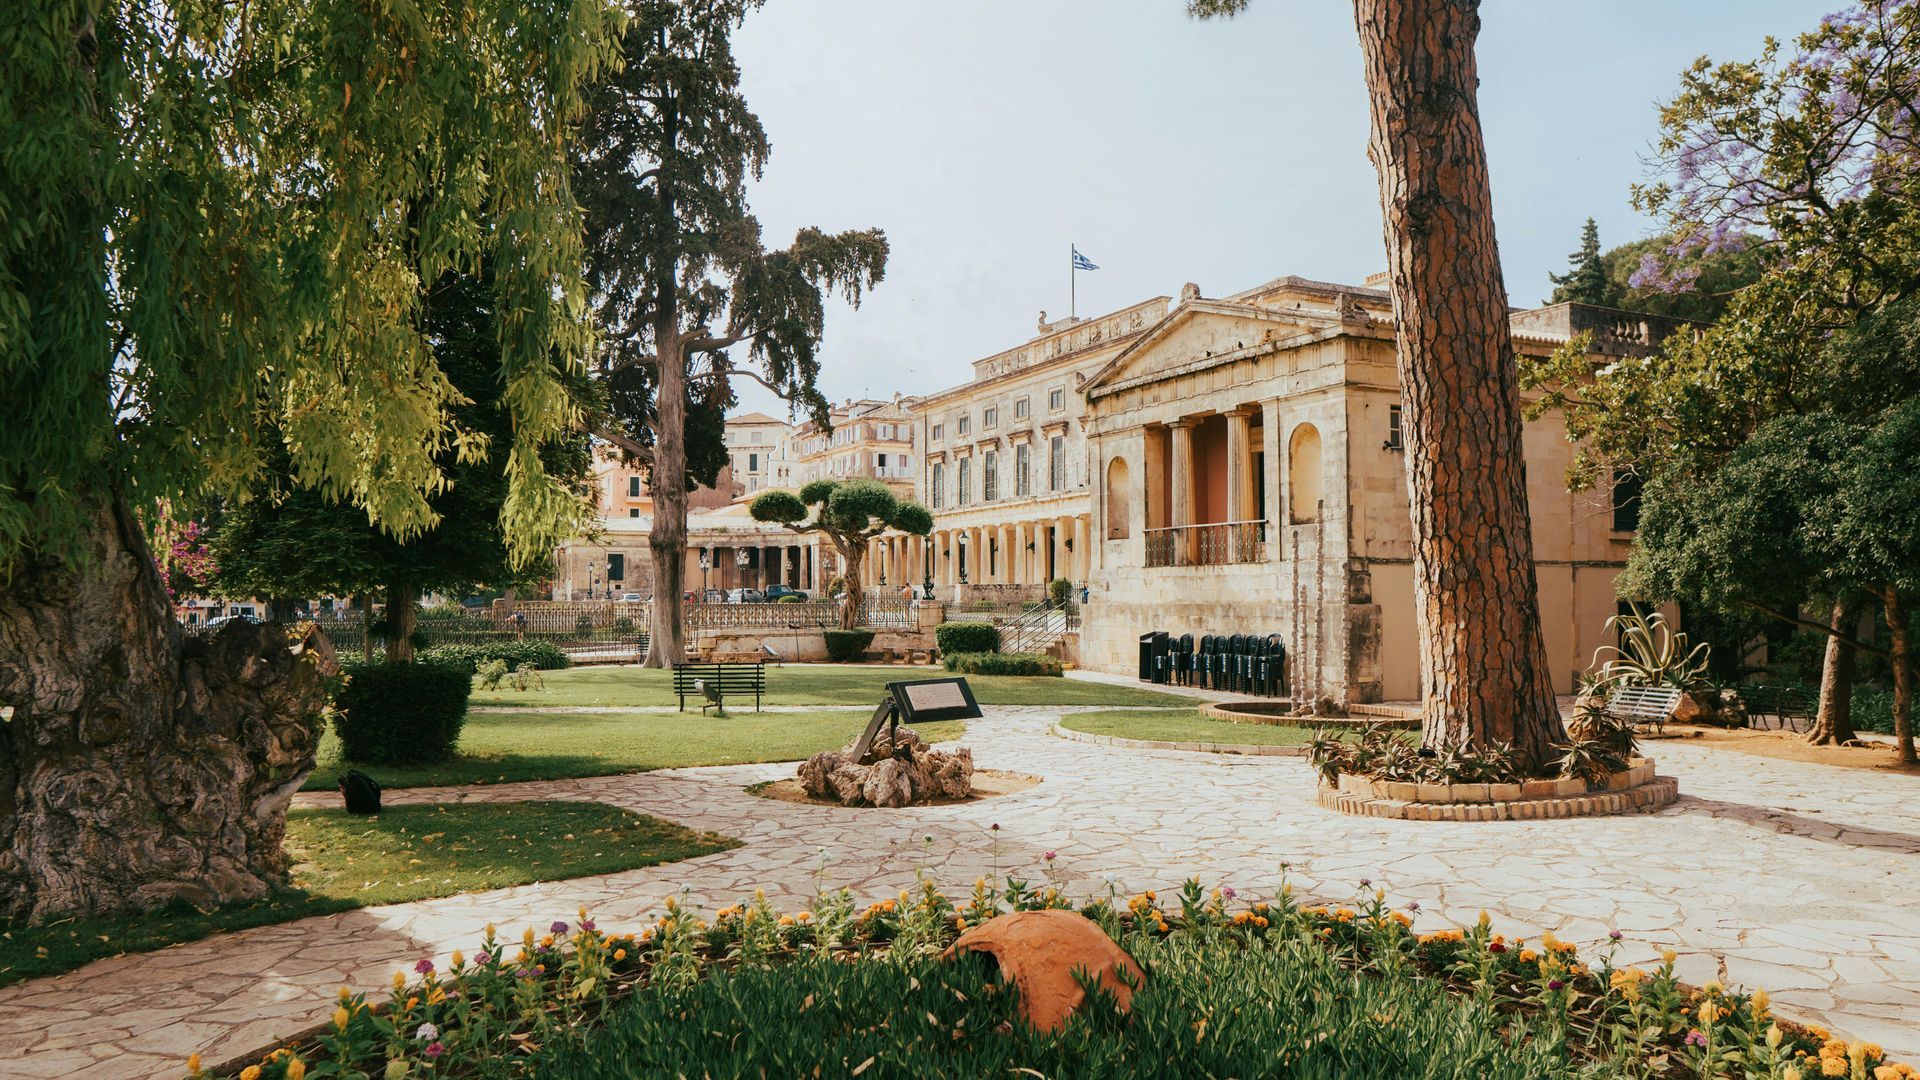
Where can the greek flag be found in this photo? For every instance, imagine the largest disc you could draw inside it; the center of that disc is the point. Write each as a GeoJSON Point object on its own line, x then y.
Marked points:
{"type": "Point", "coordinates": [1081, 262]}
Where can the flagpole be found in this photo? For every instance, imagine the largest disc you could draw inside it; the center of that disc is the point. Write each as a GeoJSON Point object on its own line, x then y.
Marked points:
{"type": "Point", "coordinates": [1073, 284]}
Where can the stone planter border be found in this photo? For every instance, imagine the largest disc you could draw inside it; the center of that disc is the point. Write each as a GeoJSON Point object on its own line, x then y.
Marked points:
{"type": "Point", "coordinates": [1267, 712]}
{"type": "Point", "coordinates": [1634, 790]}
{"type": "Point", "coordinates": [1244, 749]}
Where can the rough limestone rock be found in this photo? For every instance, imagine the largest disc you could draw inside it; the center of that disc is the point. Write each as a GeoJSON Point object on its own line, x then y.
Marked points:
{"type": "Point", "coordinates": [921, 775]}
{"type": "Point", "coordinates": [1040, 952]}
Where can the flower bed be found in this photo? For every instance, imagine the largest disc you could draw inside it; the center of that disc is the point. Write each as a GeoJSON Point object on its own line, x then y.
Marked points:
{"type": "Point", "coordinates": [579, 1001]}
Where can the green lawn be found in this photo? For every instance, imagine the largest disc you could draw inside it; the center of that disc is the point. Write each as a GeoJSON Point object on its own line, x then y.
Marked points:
{"type": "Point", "coordinates": [811, 684]}
{"type": "Point", "coordinates": [501, 747]}
{"type": "Point", "coordinates": [1184, 725]}
{"type": "Point", "coordinates": [405, 853]}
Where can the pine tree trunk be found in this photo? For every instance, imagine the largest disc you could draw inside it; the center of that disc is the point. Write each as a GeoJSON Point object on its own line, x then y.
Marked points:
{"type": "Point", "coordinates": [667, 540]}
{"type": "Point", "coordinates": [1900, 636]}
{"type": "Point", "coordinates": [141, 767]}
{"type": "Point", "coordinates": [403, 600]}
{"type": "Point", "coordinates": [1483, 658]}
{"type": "Point", "coordinates": [1833, 724]}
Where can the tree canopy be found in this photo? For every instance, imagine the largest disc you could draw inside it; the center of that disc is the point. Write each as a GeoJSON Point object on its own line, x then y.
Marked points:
{"type": "Point", "coordinates": [848, 512]}
{"type": "Point", "coordinates": [1585, 281]}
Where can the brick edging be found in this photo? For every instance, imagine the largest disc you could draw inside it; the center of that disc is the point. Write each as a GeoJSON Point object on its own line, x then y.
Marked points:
{"type": "Point", "coordinates": [1244, 749]}
{"type": "Point", "coordinates": [1646, 798]}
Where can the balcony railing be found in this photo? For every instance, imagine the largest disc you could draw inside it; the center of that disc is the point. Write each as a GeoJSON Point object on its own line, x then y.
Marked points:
{"type": "Point", "coordinates": [1218, 544]}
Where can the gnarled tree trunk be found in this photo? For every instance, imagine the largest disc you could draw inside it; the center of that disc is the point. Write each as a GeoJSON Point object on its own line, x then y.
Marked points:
{"type": "Point", "coordinates": [852, 555]}
{"type": "Point", "coordinates": [140, 767]}
{"type": "Point", "coordinates": [1833, 723]}
{"type": "Point", "coordinates": [1483, 659]}
{"type": "Point", "coordinates": [1900, 636]}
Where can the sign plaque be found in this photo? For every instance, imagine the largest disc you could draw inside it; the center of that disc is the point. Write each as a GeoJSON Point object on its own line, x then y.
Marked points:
{"type": "Point", "coordinates": [917, 702]}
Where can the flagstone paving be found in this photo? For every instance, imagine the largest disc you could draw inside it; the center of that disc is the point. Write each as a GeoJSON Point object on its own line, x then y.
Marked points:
{"type": "Point", "coordinates": [1797, 877]}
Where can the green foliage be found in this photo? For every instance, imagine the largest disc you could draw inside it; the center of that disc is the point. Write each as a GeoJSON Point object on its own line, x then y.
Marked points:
{"type": "Point", "coordinates": [1386, 753]}
{"type": "Point", "coordinates": [401, 714]}
{"type": "Point", "coordinates": [544, 655]}
{"type": "Point", "coordinates": [967, 637]}
{"type": "Point", "coordinates": [847, 512]}
{"type": "Point", "coordinates": [848, 646]}
{"type": "Point", "coordinates": [778, 506]}
{"type": "Point", "coordinates": [1059, 590]}
{"type": "Point", "coordinates": [342, 862]}
{"type": "Point", "coordinates": [1710, 278]}
{"type": "Point", "coordinates": [220, 220]}
{"type": "Point", "coordinates": [1650, 653]}
{"type": "Point", "coordinates": [999, 663]}
{"type": "Point", "coordinates": [790, 598]}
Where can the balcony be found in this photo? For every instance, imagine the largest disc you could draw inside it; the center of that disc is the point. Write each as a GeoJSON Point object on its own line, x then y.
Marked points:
{"type": "Point", "coordinates": [1218, 544]}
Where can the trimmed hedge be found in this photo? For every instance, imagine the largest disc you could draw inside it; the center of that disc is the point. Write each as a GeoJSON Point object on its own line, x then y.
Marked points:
{"type": "Point", "coordinates": [967, 637]}
{"type": "Point", "coordinates": [1012, 663]}
{"type": "Point", "coordinates": [403, 714]}
{"type": "Point", "coordinates": [1059, 590]}
{"type": "Point", "coordinates": [848, 646]}
{"type": "Point", "coordinates": [544, 655]}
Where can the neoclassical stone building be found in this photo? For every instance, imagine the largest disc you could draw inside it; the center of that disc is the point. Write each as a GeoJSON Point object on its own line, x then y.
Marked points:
{"type": "Point", "coordinates": [1248, 478]}
{"type": "Point", "coordinates": [1005, 467]}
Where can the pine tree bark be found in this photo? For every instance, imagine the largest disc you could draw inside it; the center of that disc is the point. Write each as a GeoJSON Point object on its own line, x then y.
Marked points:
{"type": "Point", "coordinates": [403, 598]}
{"type": "Point", "coordinates": [1900, 637]}
{"type": "Point", "coordinates": [1483, 658]}
{"type": "Point", "coordinates": [141, 767]}
{"type": "Point", "coordinates": [667, 539]}
{"type": "Point", "coordinates": [1833, 723]}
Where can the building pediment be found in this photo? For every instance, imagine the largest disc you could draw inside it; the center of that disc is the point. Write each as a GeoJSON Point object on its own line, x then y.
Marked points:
{"type": "Point", "coordinates": [1200, 329]}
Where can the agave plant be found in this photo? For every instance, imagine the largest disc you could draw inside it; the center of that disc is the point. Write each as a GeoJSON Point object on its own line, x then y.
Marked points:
{"type": "Point", "coordinates": [1329, 755]}
{"type": "Point", "coordinates": [1650, 653]}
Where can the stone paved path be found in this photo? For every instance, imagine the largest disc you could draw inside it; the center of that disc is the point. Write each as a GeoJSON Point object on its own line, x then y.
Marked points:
{"type": "Point", "coordinates": [1804, 879]}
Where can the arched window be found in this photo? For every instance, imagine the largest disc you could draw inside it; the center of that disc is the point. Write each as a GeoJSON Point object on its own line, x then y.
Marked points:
{"type": "Point", "coordinates": [1306, 484]}
{"type": "Point", "coordinates": [1119, 500]}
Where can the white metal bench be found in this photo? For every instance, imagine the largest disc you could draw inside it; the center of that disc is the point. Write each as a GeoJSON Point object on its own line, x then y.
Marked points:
{"type": "Point", "coordinates": [1644, 704]}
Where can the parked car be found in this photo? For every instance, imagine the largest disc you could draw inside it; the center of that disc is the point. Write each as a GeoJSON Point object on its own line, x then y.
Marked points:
{"type": "Point", "coordinates": [215, 624]}
{"type": "Point", "coordinates": [634, 598]}
{"type": "Point", "coordinates": [776, 593]}
{"type": "Point", "coordinates": [746, 596]}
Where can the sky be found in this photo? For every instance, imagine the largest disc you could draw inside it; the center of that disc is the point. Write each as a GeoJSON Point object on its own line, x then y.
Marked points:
{"type": "Point", "coordinates": [986, 136]}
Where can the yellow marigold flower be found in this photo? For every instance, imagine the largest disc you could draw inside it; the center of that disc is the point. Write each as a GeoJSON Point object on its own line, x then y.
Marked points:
{"type": "Point", "coordinates": [399, 980]}
{"type": "Point", "coordinates": [546, 941]}
{"type": "Point", "coordinates": [1667, 955]}
{"type": "Point", "coordinates": [786, 920]}
{"type": "Point", "coordinates": [296, 1069]}
{"type": "Point", "coordinates": [1833, 1048]}
{"type": "Point", "coordinates": [1886, 1072]}
{"type": "Point", "coordinates": [251, 1072]}
{"type": "Point", "coordinates": [619, 954]}
{"type": "Point", "coordinates": [1528, 956]}
{"type": "Point", "coordinates": [1713, 987]}
{"type": "Point", "coordinates": [1260, 920]}
{"type": "Point", "coordinates": [960, 923]}
{"type": "Point", "coordinates": [341, 1017]}
{"type": "Point", "coordinates": [344, 993]}
{"type": "Point", "coordinates": [805, 916]}
{"type": "Point", "coordinates": [1873, 1050]}
{"type": "Point", "coordinates": [193, 1063]}
{"type": "Point", "coordinates": [413, 1000]}
{"type": "Point", "coordinates": [1833, 1066]}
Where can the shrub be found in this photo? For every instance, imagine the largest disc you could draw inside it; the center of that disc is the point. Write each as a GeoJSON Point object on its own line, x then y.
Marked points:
{"type": "Point", "coordinates": [402, 714]}
{"type": "Point", "coordinates": [848, 646]}
{"type": "Point", "coordinates": [1059, 590]}
{"type": "Point", "coordinates": [991, 663]}
{"type": "Point", "coordinates": [966, 637]}
{"type": "Point", "coordinates": [544, 655]}
{"type": "Point", "coordinates": [789, 598]}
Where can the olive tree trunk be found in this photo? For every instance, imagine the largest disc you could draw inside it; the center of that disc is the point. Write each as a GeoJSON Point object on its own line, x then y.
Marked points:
{"type": "Point", "coordinates": [141, 767]}
{"type": "Point", "coordinates": [852, 554]}
{"type": "Point", "coordinates": [1483, 659]}
{"type": "Point", "coordinates": [667, 539]}
{"type": "Point", "coordinates": [1833, 723]}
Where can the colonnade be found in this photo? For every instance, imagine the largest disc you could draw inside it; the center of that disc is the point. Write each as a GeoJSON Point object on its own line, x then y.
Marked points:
{"type": "Point", "coordinates": [1008, 553]}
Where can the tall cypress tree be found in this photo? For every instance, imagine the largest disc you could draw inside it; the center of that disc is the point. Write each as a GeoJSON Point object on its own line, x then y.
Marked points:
{"type": "Point", "coordinates": [1586, 281]}
{"type": "Point", "coordinates": [687, 297]}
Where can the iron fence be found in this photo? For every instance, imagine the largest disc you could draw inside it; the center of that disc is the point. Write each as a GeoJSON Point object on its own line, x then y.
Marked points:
{"type": "Point", "coordinates": [1218, 544]}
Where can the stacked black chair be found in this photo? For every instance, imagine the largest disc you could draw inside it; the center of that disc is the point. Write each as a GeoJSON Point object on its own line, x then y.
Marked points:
{"type": "Point", "coordinates": [1183, 659]}
{"type": "Point", "coordinates": [1276, 666]}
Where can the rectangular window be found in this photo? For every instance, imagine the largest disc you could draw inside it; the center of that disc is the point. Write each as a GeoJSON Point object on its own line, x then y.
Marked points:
{"type": "Point", "coordinates": [1020, 408]}
{"type": "Point", "coordinates": [753, 462]}
{"type": "Point", "coordinates": [880, 460]}
{"type": "Point", "coordinates": [757, 437]}
{"type": "Point", "coordinates": [1395, 441]}
{"type": "Point", "coordinates": [633, 487]}
{"type": "Point", "coordinates": [989, 418]}
{"type": "Point", "coordinates": [1057, 466]}
{"type": "Point", "coordinates": [962, 423]}
{"type": "Point", "coordinates": [633, 511]}
{"type": "Point", "coordinates": [966, 485]}
{"type": "Point", "coordinates": [939, 432]}
{"type": "Point", "coordinates": [1022, 466]}
{"type": "Point", "coordinates": [616, 566]}
{"type": "Point", "coordinates": [990, 476]}
{"type": "Point", "coordinates": [1626, 500]}
{"type": "Point", "coordinates": [1057, 398]}
{"type": "Point", "coordinates": [937, 480]}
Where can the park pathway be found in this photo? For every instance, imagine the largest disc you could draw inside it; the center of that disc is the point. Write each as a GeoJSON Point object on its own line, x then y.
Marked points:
{"type": "Point", "coordinates": [1803, 879]}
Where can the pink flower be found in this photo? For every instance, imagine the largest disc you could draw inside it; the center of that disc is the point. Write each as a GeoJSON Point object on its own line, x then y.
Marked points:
{"type": "Point", "coordinates": [1696, 1038]}
{"type": "Point", "coordinates": [424, 967]}
{"type": "Point", "coordinates": [435, 1049]}
{"type": "Point", "coordinates": [1051, 855]}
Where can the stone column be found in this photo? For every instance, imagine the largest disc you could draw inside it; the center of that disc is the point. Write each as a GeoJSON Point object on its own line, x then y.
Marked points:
{"type": "Point", "coordinates": [1239, 465]}
{"type": "Point", "coordinates": [1082, 550]}
{"type": "Point", "coordinates": [1022, 571]}
{"type": "Point", "coordinates": [1182, 485]}
{"type": "Point", "coordinates": [1003, 562]}
{"type": "Point", "coordinates": [1270, 440]}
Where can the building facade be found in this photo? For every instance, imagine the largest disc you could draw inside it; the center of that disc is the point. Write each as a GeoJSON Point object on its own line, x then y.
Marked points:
{"type": "Point", "coordinates": [1005, 468]}
{"type": "Point", "coordinates": [1249, 478]}
{"type": "Point", "coordinates": [870, 439]}
{"type": "Point", "coordinates": [757, 451]}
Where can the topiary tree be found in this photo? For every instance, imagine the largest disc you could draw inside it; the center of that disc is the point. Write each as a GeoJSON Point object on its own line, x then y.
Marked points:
{"type": "Point", "coordinates": [850, 513]}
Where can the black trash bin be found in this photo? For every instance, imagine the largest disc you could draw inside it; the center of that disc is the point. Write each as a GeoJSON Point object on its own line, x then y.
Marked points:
{"type": "Point", "coordinates": [1152, 647]}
